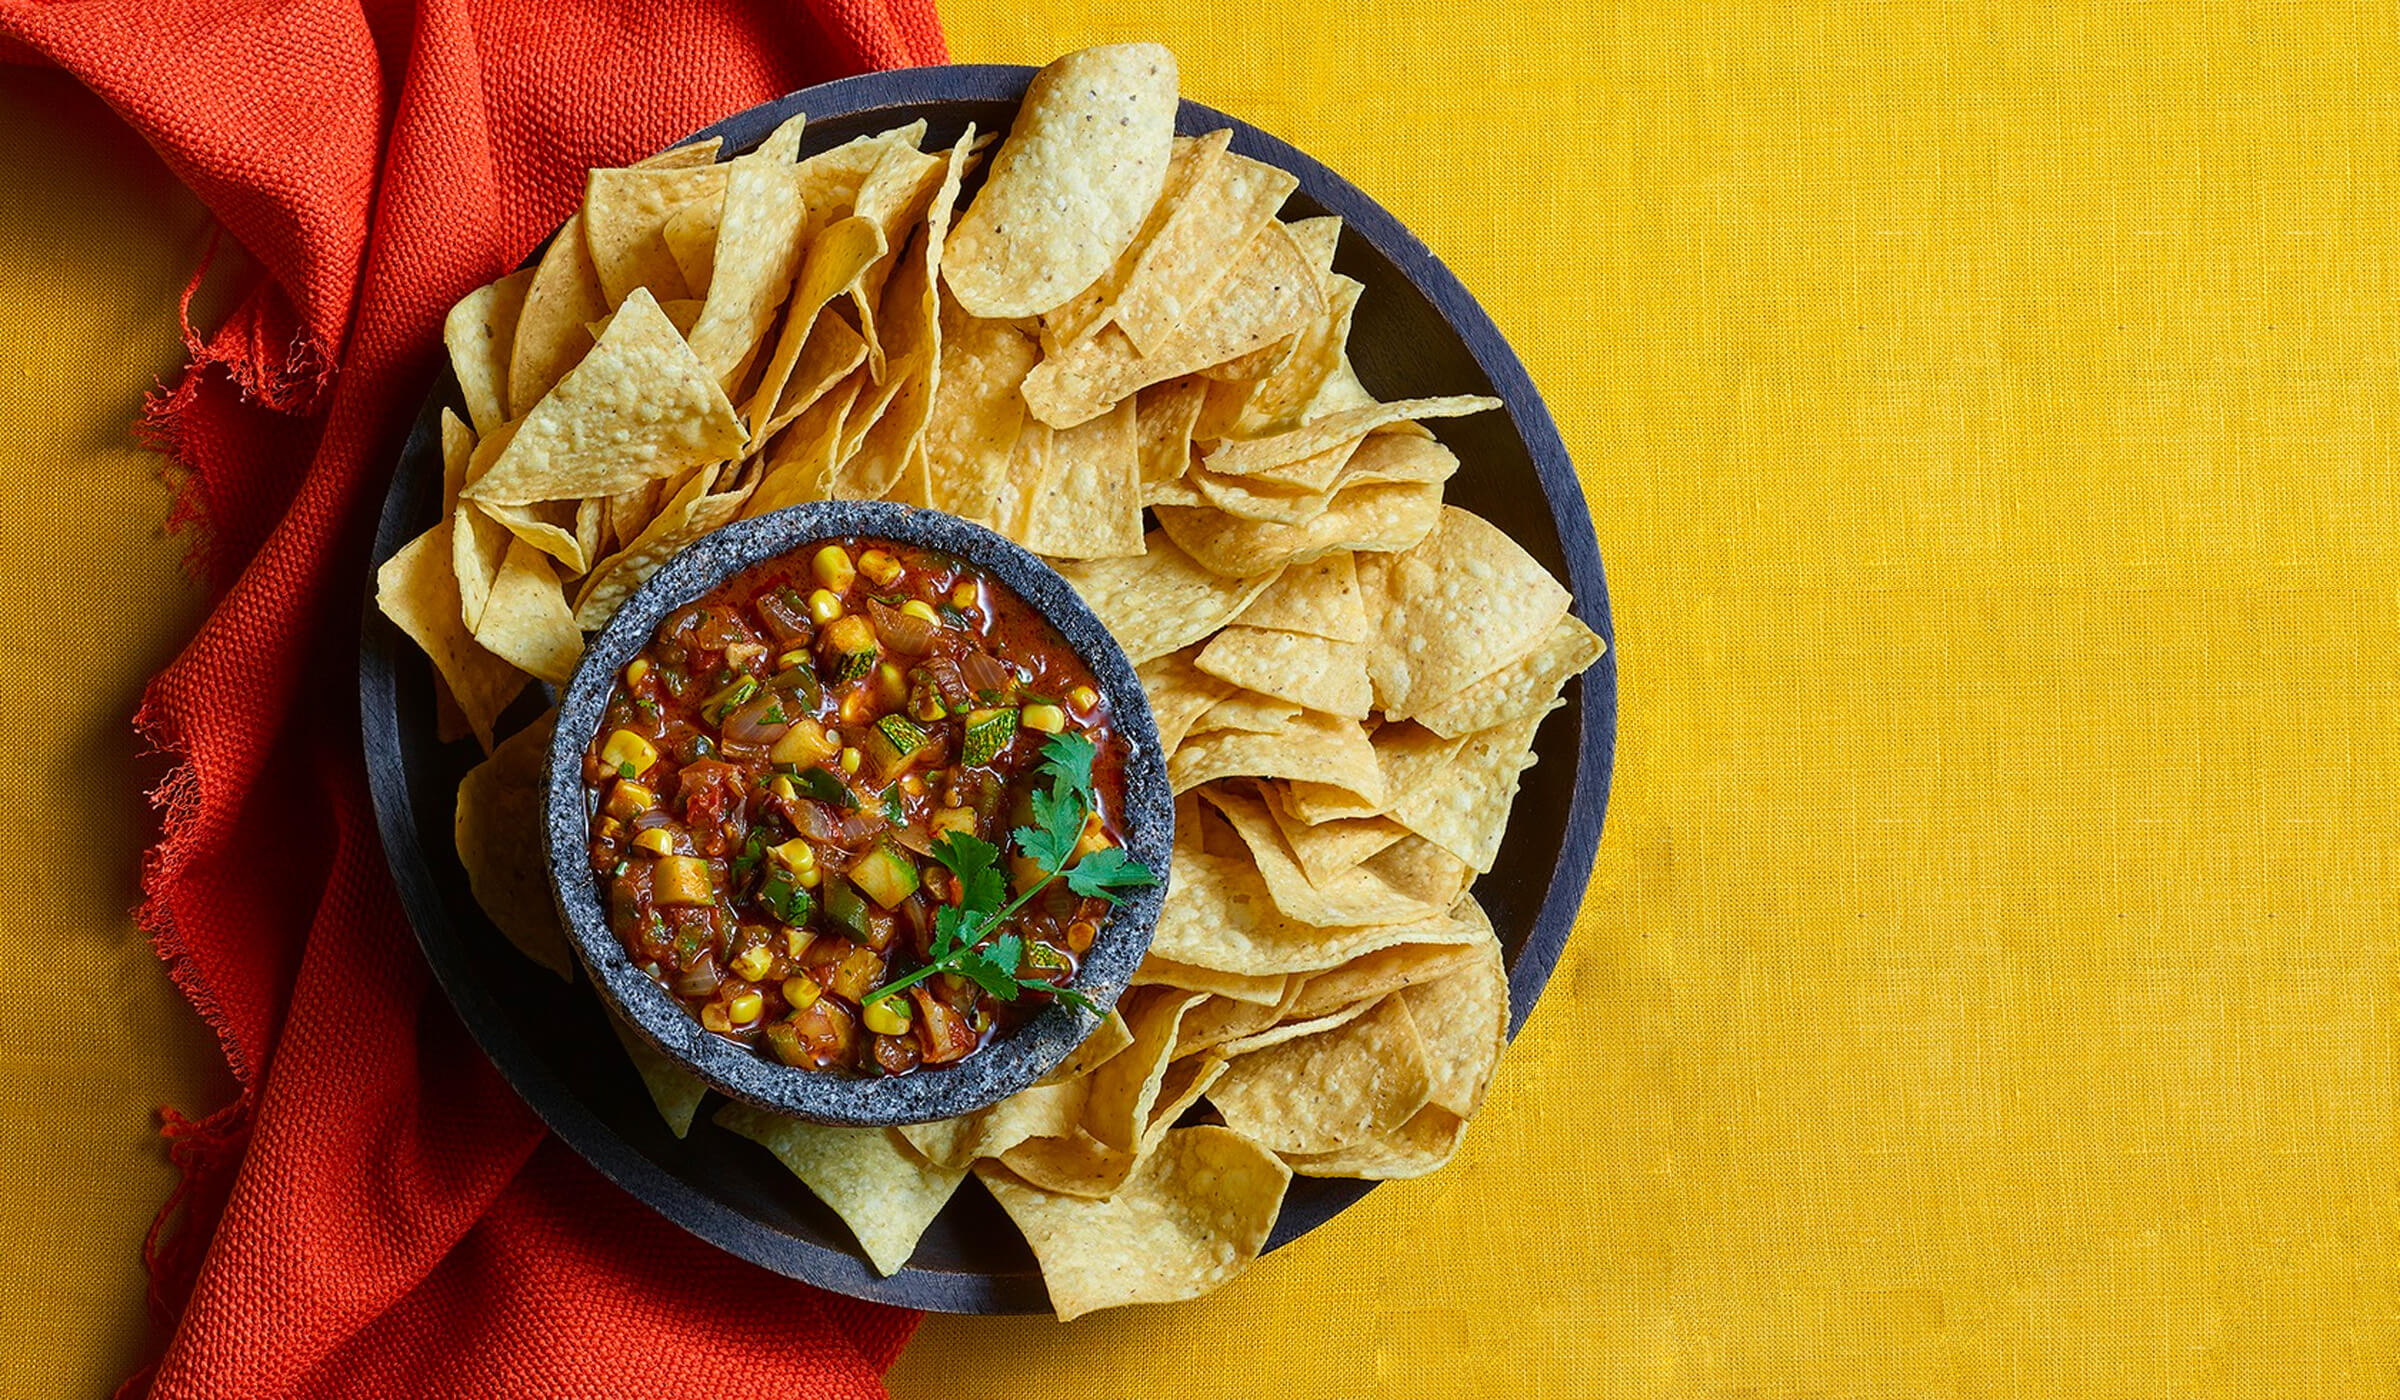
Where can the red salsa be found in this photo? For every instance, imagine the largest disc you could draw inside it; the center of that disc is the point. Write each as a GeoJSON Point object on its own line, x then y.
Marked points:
{"type": "Point", "coordinates": [776, 769]}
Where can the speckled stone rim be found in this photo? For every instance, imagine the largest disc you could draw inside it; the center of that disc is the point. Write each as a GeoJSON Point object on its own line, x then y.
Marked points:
{"type": "Point", "coordinates": [1006, 1065]}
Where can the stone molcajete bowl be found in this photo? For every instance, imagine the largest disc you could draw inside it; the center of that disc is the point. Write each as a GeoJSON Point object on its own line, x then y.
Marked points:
{"type": "Point", "coordinates": [1009, 1063]}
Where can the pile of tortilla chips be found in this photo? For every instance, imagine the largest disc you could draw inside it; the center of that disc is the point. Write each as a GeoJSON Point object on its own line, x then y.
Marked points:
{"type": "Point", "coordinates": [1118, 329]}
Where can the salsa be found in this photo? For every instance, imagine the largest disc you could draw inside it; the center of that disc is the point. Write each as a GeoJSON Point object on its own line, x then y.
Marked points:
{"type": "Point", "coordinates": [782, 780]}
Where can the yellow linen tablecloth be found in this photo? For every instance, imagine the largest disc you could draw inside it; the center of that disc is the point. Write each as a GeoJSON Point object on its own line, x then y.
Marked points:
{"type": "Point", "coordinates": [1987, 989]}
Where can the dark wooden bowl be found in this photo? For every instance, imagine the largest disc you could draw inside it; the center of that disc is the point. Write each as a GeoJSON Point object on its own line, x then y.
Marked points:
{"type": "Point", "coordinates": [1417, 332]}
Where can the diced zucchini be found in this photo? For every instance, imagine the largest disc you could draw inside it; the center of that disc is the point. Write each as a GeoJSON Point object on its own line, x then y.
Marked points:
{"type": "Point", "coordinates": [681, 880]}
{"type": "Point", "coordinates": [844, 905]}
{"type": "Point", "coordinates": [894, 745]}
{"type": "Point", "coordinates": [959, 819]}
{"type": "Point", "coordinates": [885, 874]}
{"type": "Point", "coordinates": [988, 732]}
{"type": "Point", "coordinates": [849, 644]}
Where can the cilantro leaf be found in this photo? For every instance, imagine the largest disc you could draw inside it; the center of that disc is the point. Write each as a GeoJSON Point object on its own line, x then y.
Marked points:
{"type": "Point", "coordinates": [895, 805]}
{"type": "Point", "coordinates": [994, 968]}
{"type": "Point", "coordinates": [974, 861]}
{"type": "Point", "coordinates": [1104, 872]}
{"type": "Point", "coordinates": [1067, 758]}
{"type": "Point", "coordinates": [950, 930]}
{"type": "Point", "coordinates": [1057, 826]}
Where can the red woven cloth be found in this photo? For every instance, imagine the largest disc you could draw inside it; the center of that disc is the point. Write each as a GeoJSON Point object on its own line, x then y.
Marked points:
{"type": "Point", "coordinates": [377, 1213]}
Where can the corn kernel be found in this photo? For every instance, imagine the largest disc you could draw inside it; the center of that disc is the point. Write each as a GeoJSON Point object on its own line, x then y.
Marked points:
{"type": "Point", "coordinates": [713, 1017]}
{"type": "Point", "coordinates": [912, 785]}
{"type": "Point", "coordinates": [609, 829]}
{"type": "Point", "coordinates": [891, 686]}
{"type": "Point", "coordinates": [636, 669]}
{"type": "Point", "coordinates": [801, 992]}
{"type": "Point", "coordinates": [887, 1017]}
{"type": "Point", "coordinates": [856, 708]}
{"type": "Point", "coordinates": [879, 566]}
{"type": "Point", "coordinates": [743, 1007]}
{"type": "Point", "coordinates": [824, 607]}
{"type": "Point", "coordinates": [1083, 697]}
{"type": "Point", "coordinates": [918, 607]}
{"type": "Point", "coordinates": [963, 597]}
{"type": "Point", "coordinates": [658, 841]}
{"type": "Point", "coordinates": [791, 660]}
{"type": "Point", "coordinates": [795, 855]}
{"type": "Point", "coordinates": [628, 799]}
{"type": "Point", "coordinates": [754, 964]}
{"type": "Point", "coordinates": [795, 942]}
{"type": "Point", "coordinates": [850, 760]}
{"type": "Point", "coordinates": [782, 787]}
{"type": "Point", "coordinates": [833, 568]}
{"type": "Point", "coordinates": [1049, 719]}
{"type": "Point", "coordinates": [626, 748]}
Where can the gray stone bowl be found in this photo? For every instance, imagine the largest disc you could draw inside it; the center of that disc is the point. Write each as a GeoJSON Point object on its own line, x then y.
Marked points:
{"type": "Point", "coordinates": [1002, 1067]}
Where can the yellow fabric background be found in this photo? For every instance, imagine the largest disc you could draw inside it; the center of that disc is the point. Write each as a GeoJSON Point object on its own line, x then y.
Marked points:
{"type": "Point", "coordinates": [1989, 413]}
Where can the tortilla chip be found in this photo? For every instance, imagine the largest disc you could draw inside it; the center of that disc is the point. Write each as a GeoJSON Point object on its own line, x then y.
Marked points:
{"type": "Point", "coordinates": [691, 237]}
{"type": "Point", "coordinates": [977, 412]}
{"type": "Point", "coordinates": [832, 265]}
{"type": "Point", "coordinates": [1465, 602]}
{"type": "Point", "coordinates": [1124, 1089]}
{"type": "Point", "coordinates": [1406, 755]}
{"type": "Point", "coordinates": [546, 526]}
{"type": "Point", "coordinates": [691, 514]}
{"type": "Point", "coordinates": [1089, 504]}
{"type": "Point", "coordinates": [1285, 399]}
{"type": "Point", "coordinates": [1466, 813]}
{"type": "Point", "coordinates": [800, 467]}
{"type": "Point", "coordinates": [1326, 849]}
{"type": "Point", "coordinates": [1325, 750]}
{"type": "Point", "coordinates": [1219, 1021]}
{"type": "Point", "coordinates": [1270, 296]}
{"type": "Point", "coordinates": [1319, 239]}
{"type": "Point", "coordinates": [1373, 976]}
{"type": "Point", "coordinates": [1384, 517]}
{"type": "Point", "coordinates": [1529, 683]}
{"type": "Point", "coordinates": [1463, 1021]}
{"type": "Point", "coordinates": [1072, 184]}
{"type": "Point", "coordinates": [1423, 1144]}
{"type": "Point", "coordinates": [1239, 458]}
{"type": "Point", "coordinates": [625, 212]}
{"type": "Point", "coordinates": [1317, 673]}
{"type": "Point", "coordinates": [564, 296]}
{"type": "Point", "coordinates": [417, 588]}
{"type": "Point", "coordinates": [1107, 1039]}
{"type": "Point", "coordinates": [481, 333]}
{"type": "Point", "coordinates": [1218, 914]}
{"type": "Point", "coordinates": [1054, 1110]}
{"type": "Point", "coordinates": [526, 621]}
{"type": "Point", "coordinates": [1249, 712]}
{"type": "Point", "coordinates": [676, 1091]}
{"type": "Point", "coordinates": [1156, 971]}
{"type": "Point", "coordinates": [757, 251]}
{"type": "Point", "coordinates": [911, 331]}
{"type": "Point", "coordinates": [477, 542]}
{"type": "Point", "coordinates": [497, 827]}
{"type": "Point", "coordinates": [1194, 250]}
{"type": "Point", "coordinates": [1246, 498]}
{"type": "Point", "coordinates": [874, 1181]}
{"type": "Point", "coordinates": [640, 406]}
{"type": "Point", "coordinates": [1325, 1092]}
{"type": "Point", "coordinates": [1160, 601]}
{"type": "Point", "coordinates": [1192, 159]}
{"type": "Point", "coordinates": [1293, 1028]}
{"type": "Point", "coordinates": [1321, 598]}
{"type": "Point", "coordinates": [1163, 420]}
{"type": "Point", "coordinates": [1191, 1216]}
{"type": "Point", "coordinates": [1368, 893]}
{"type": "Point", "coordinates": [1179, 693]}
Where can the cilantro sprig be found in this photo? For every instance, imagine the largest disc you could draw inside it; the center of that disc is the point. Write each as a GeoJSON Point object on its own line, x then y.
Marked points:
{"type": "Point", "coordinates": [959, 931]}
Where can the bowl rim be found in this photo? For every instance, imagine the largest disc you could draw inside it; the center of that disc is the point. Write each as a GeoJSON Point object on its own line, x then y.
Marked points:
{"type": "Point", "coordinates": [1008, 1063]}
{"type": "Point", "coordinates": [657, 1182]}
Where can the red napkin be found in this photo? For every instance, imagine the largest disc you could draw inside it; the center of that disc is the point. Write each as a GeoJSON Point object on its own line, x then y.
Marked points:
{"type": "Point", "coordinates": [377, 1213]}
